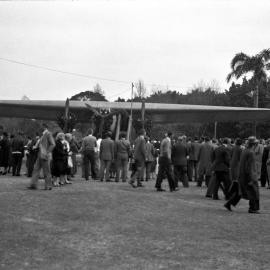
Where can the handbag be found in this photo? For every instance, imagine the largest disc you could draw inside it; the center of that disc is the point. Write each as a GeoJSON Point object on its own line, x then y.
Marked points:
{"type": "Point", "coordinates": [70, 163]}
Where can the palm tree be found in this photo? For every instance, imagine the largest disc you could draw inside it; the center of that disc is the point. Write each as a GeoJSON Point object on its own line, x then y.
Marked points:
{"type": "Point", "coordinates": [258, 65]}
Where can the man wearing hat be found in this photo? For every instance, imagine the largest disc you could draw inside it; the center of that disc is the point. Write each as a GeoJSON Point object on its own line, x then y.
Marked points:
{"type": "Point", "coordinates": [248, 187]}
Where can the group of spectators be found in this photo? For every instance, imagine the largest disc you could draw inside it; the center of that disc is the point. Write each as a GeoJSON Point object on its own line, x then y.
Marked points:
{"type": "Point", "coordinates": [115, 158]}
{"type": "Point", "coordinates": [222, 164]}
{"type": "Point", "coordinates": [235, 167]}
{"type": "Point", "coordinates": [11, 152]}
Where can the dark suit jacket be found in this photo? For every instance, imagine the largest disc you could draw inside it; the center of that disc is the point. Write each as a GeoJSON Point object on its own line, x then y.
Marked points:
{"type": "Point", "coordinates": [106, 151]}
{"type": "Point", "coordinates": [247, 176]}
{"type": "Point", "coordinates": [179, 154]}
{"type": "Point", "coordinates": [139, 149]}
{"type": "Point", "coordinates": [235, 161]}
{"type": "Point", "coordinates": [221, 159]}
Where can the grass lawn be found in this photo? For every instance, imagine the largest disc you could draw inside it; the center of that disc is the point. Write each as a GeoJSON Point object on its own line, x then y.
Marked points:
{"type": "Point", "coordinates": [94, 225]}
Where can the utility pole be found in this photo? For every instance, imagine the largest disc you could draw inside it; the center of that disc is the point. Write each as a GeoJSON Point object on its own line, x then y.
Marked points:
{"type": "Point", "coordinates": [215, 132]}
{"type": "Point", "coordinates": [143, 113]}
{"type": "Point", "coordinates": [256, 105]}
{"type": "Point", "coordinates": [131, 112]}
{"type": "Point", "coordinates": [66, 116]}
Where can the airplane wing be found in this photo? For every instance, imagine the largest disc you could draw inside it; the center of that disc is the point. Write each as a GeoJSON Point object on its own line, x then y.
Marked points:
{"type": "Point", "coordinates": [157, 112]}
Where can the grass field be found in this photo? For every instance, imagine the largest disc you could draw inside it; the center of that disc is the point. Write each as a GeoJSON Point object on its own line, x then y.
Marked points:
{"type": "Point", "coordinates": [94, 225]}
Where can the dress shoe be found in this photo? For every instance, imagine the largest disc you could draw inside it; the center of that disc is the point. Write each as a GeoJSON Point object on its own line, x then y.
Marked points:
{"type": "Point", "coordinates": [108, 180]}
{"type": "Point", "coordinates": [253, 211]}
{"type": "Point", "coordinates": [48, 188]}
{"type": "Point", "coordinates": [208, 196]}
{"type": "Point", "coordinates": [216, 198]}
{"type": "Point", "coordinates": [228, 207]}
{"type": "Point", "coordinates": [140, 185]}
{"type": "Point", "coordinates": [132, 184]}
{"type": "Point", "coordinates": [160, 189]}
{"type": "Point", "coordinates": [31, 187]}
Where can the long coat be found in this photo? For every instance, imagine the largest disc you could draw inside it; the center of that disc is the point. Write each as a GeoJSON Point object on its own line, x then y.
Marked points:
{"type": "Point", "coordinates": [59, 162]}
{"type": "Point", "coordinates": [205, 158]}
{"type": "Point", "coordinates": [4, 152]}
{"type": "Point", "coordinates": [235, 162]}
{"type": "Point", "coordinates": [248, 176]}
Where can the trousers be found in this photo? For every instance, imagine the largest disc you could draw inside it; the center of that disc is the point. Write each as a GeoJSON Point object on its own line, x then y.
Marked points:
{"type": "Point", "coordinates": [165, 170]}
{"type": "Point", "coordinates": [45, 166]}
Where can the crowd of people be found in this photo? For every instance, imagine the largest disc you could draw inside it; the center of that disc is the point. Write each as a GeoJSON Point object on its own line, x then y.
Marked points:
{"type": "Point", "coordinates": [234, 166]}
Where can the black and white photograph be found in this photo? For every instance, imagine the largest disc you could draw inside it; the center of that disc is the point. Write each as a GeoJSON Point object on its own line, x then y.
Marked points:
{"type": "Point", "coordinates": [134, 135]}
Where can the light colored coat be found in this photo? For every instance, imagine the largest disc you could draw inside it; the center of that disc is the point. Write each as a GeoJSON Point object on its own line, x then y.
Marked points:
{"type": "Point", "coordinates": [46, 145]}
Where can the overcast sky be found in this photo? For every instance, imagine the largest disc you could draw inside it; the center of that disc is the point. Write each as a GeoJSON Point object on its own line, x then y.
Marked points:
{"type": "Point", "coordinates": [175, 44]}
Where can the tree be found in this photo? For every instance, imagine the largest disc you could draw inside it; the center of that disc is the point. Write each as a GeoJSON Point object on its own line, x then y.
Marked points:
{"type": "Point", "coordinates": [243, 64]}
{"type": "Point", "coordinates": [257, 65]}
{"type": "Point", "coordinates": [88, 96]}
{"type": "Point", "coordinates": [141, 89]}
{"type": "Point", "coordinates": [97, 89]}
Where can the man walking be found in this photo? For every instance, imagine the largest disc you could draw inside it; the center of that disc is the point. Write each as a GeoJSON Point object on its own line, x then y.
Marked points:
{"type": "Point", "coordinates": [205, 161]}
{"type": "Point", "coordinates": [45, 146]}
{"type": "Point", "coordinates": [179, 160]}
{"type": "Point", "coordinates": [139, 157]}
{"type": "Point", "coordinates": [248, 187]}
{"type": "Point", "coordinates": [221, 167]}
{"type": "Point", "coordinates": [165, 164]}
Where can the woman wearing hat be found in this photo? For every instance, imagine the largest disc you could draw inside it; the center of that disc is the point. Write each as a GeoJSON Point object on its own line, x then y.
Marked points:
{"type": "Point", "coordinates": [59, 155]}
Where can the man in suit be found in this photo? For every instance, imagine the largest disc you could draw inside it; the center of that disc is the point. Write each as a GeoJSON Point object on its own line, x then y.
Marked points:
{"type": "Point", "coordinates": [122, 152]}
{"type": "Point", "coordinates": [106, 154]}
{"type": "Point", "coordinates": [45, 146]}
{"type": "Point", "coordinates": [17, 150]}
{"type": "Point", "coordinates": [139, 157]}
{"type": "Point", "coordinates": [205, 161]}
{"type": "Point", "coordinates": [248, 187]}
{"type": "Point", "coordinates": [265, 165]}
{"type": "Point", "coordinates": [89, 144]}
{"type": "Point", "coordinates": [221, 167]}
{"type": "Point", "coordinates": [179, 161]}
{"type": "Point", "coordinates": [165, 164]}
{"type": "Point", "coordinates": [193, 159]}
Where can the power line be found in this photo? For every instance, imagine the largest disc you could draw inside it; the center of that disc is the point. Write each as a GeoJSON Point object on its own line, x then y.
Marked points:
{"type": "Point", "coordinates": [84, 75]}
{"type": "Point", "coordinates": [63, 72]}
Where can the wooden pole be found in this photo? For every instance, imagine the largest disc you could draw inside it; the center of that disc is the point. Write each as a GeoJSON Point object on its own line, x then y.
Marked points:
{"type": "Point", "coordinates": [130, 116]}
{"type": "Point", "coordinates": [118, 127]}
{"type": "Point", "coordinates": [215, 132]}
{"type": "Point", "coordinates": [66, 116]}
{"type": "Point", "coordinates": [256, 105]}
{"type": "Point", "coordinates": [143, 113]}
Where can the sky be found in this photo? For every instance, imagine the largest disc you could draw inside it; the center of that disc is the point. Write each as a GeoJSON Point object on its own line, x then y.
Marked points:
{"type": "Point", "coordinates": [169, 44]}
